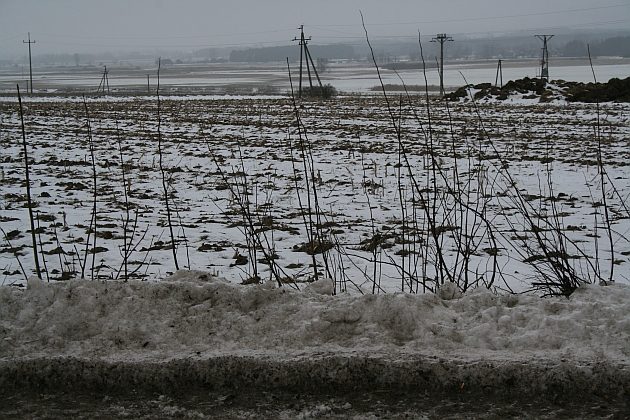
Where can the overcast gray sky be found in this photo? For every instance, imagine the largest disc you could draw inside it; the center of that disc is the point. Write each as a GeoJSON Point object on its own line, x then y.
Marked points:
{"type": "Point", "coordinates": [111, 25]}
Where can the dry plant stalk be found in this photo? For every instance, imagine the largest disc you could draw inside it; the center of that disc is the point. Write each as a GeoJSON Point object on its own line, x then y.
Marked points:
{"type": "Point", "coordinates": [93, 221]}
{"type": "Point", "coordinates": [28, 188]}
{"type": "Point", "coordinates": [163, 171]}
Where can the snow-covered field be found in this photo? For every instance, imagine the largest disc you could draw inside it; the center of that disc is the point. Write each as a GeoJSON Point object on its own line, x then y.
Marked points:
{"type": "Point", "coordinates": [352, 76]}
{"type": "Point", "coordinates": [213, 146]}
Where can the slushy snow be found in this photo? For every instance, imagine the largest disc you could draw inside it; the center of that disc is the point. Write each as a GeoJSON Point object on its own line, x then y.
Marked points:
{"type": "Point", "coordinates": [197, 313]}
{"type": "Point", "coordinates": [196, 331]}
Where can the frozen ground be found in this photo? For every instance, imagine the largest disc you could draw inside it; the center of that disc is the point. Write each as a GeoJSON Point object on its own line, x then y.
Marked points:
{"type": "Point", "coordinates": [209, 346]}
{"type": "Point", "coordinates": [357, 171]}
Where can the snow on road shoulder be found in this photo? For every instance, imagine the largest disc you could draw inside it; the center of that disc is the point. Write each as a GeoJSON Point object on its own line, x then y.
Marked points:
{"type": "Point", "coordinates": [195, 312]}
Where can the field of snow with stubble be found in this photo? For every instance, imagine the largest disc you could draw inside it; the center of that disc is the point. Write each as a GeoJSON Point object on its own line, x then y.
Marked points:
{"type": "Point", "coordinates": [215, 148]}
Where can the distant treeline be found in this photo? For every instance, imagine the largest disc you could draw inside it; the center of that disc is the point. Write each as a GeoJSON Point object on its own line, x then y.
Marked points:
{"type": "Point", "coordinates": [389, 53]}
{"type": "Point", "coordinates": [265, 54]}
{"type": "Point", "coordinates": [617, 47]}
{"type": "Point", "coordinates": [522, 46]}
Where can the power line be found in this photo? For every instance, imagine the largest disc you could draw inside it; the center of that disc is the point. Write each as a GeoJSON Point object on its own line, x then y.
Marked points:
{"type": "Point", "coordinates": [133, 37]}
{"type": "Point", "coordinates": [518, 32]}
{"type": "Point", "coordinates": [556, 12]}
{"type": "Point", "coordinates": [169, 46]}
{"type": "Point", "coordinates": [358, 38]}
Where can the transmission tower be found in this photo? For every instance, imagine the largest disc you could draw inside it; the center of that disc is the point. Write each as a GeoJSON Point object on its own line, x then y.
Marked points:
{"type": "Point", "coordinates": [544, 62]}
{"type": "Point", "coordinates": [30, 63]}
{"type": "Point", "coordinates": [441, 38]}
{"type": "Point", "coordinates": [305, 55]}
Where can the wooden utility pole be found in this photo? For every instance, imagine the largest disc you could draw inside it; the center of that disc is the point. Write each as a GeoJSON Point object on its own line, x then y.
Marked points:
{"type": "Point", "coordinates": [499, 74]}
{"type": "Point", "coordinates": [305, 56]}
{"type": "Point", "coordinates": [104, 81]}
{"type": "Point", "coordinates": [441, 38]}
{"type": "Point", "coordinates": [30, 63]}
{"type": "Point", "coordinates": [148, 86]}
{"type": "Point", "coordinates": [302, 43]}
{"type": "Point", "coordinates": [106, 75]}
{"type": "Point", "coordinates": [544, 62]}
{"type": "Point", "coordinates": [310, 58]}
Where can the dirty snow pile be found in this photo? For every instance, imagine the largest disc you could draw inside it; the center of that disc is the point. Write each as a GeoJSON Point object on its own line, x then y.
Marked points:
{"type": "Point", "coordinates": [194, 313]}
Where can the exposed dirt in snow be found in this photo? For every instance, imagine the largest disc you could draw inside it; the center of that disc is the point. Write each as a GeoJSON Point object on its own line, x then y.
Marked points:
{"type": "Point", "coordinates": [358, 177]}
{"type": "Point", "coordinates": [539, 90]}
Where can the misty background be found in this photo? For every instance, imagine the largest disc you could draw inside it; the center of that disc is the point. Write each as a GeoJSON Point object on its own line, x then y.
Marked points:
{"type": "Point", "coordinates": [80, 32]}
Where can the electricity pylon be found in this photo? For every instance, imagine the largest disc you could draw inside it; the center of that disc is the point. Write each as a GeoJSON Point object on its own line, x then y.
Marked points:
{"type": "Point", "coordinates": [544, 62]}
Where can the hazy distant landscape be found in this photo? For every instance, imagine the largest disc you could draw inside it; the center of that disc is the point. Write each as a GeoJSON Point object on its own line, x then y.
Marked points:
{"type": "Point", "coordinates": [272, 78]}
{"type": "Point", "coordinates": [348, 67]}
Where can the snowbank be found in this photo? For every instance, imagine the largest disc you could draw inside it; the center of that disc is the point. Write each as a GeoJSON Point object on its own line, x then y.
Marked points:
{"type": "Point", "coordinates": [194, 311]}
{"type": "Point", "coordinates": [194, 319]}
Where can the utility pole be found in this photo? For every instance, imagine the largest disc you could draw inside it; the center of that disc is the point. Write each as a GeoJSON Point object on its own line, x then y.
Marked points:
{"type": "Point", "coordinates": [305, 56]}
{"type": "Point", "coordinates": [302, 42]}
{"type": "Point", "coordinates": [106, 77]}
{"type": "Point", "coordinates": [30, 63]}
{"type": "Point", "coordinates": [441, 38]}
{"type": "Point", "coordinates": [544, 62]}
{"type": "Point", "coordinates": [104, 81]}
{"type": "Point", "coordinates": [148, 85]}
{"type": "Point", "coordinates": [499, 74]}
